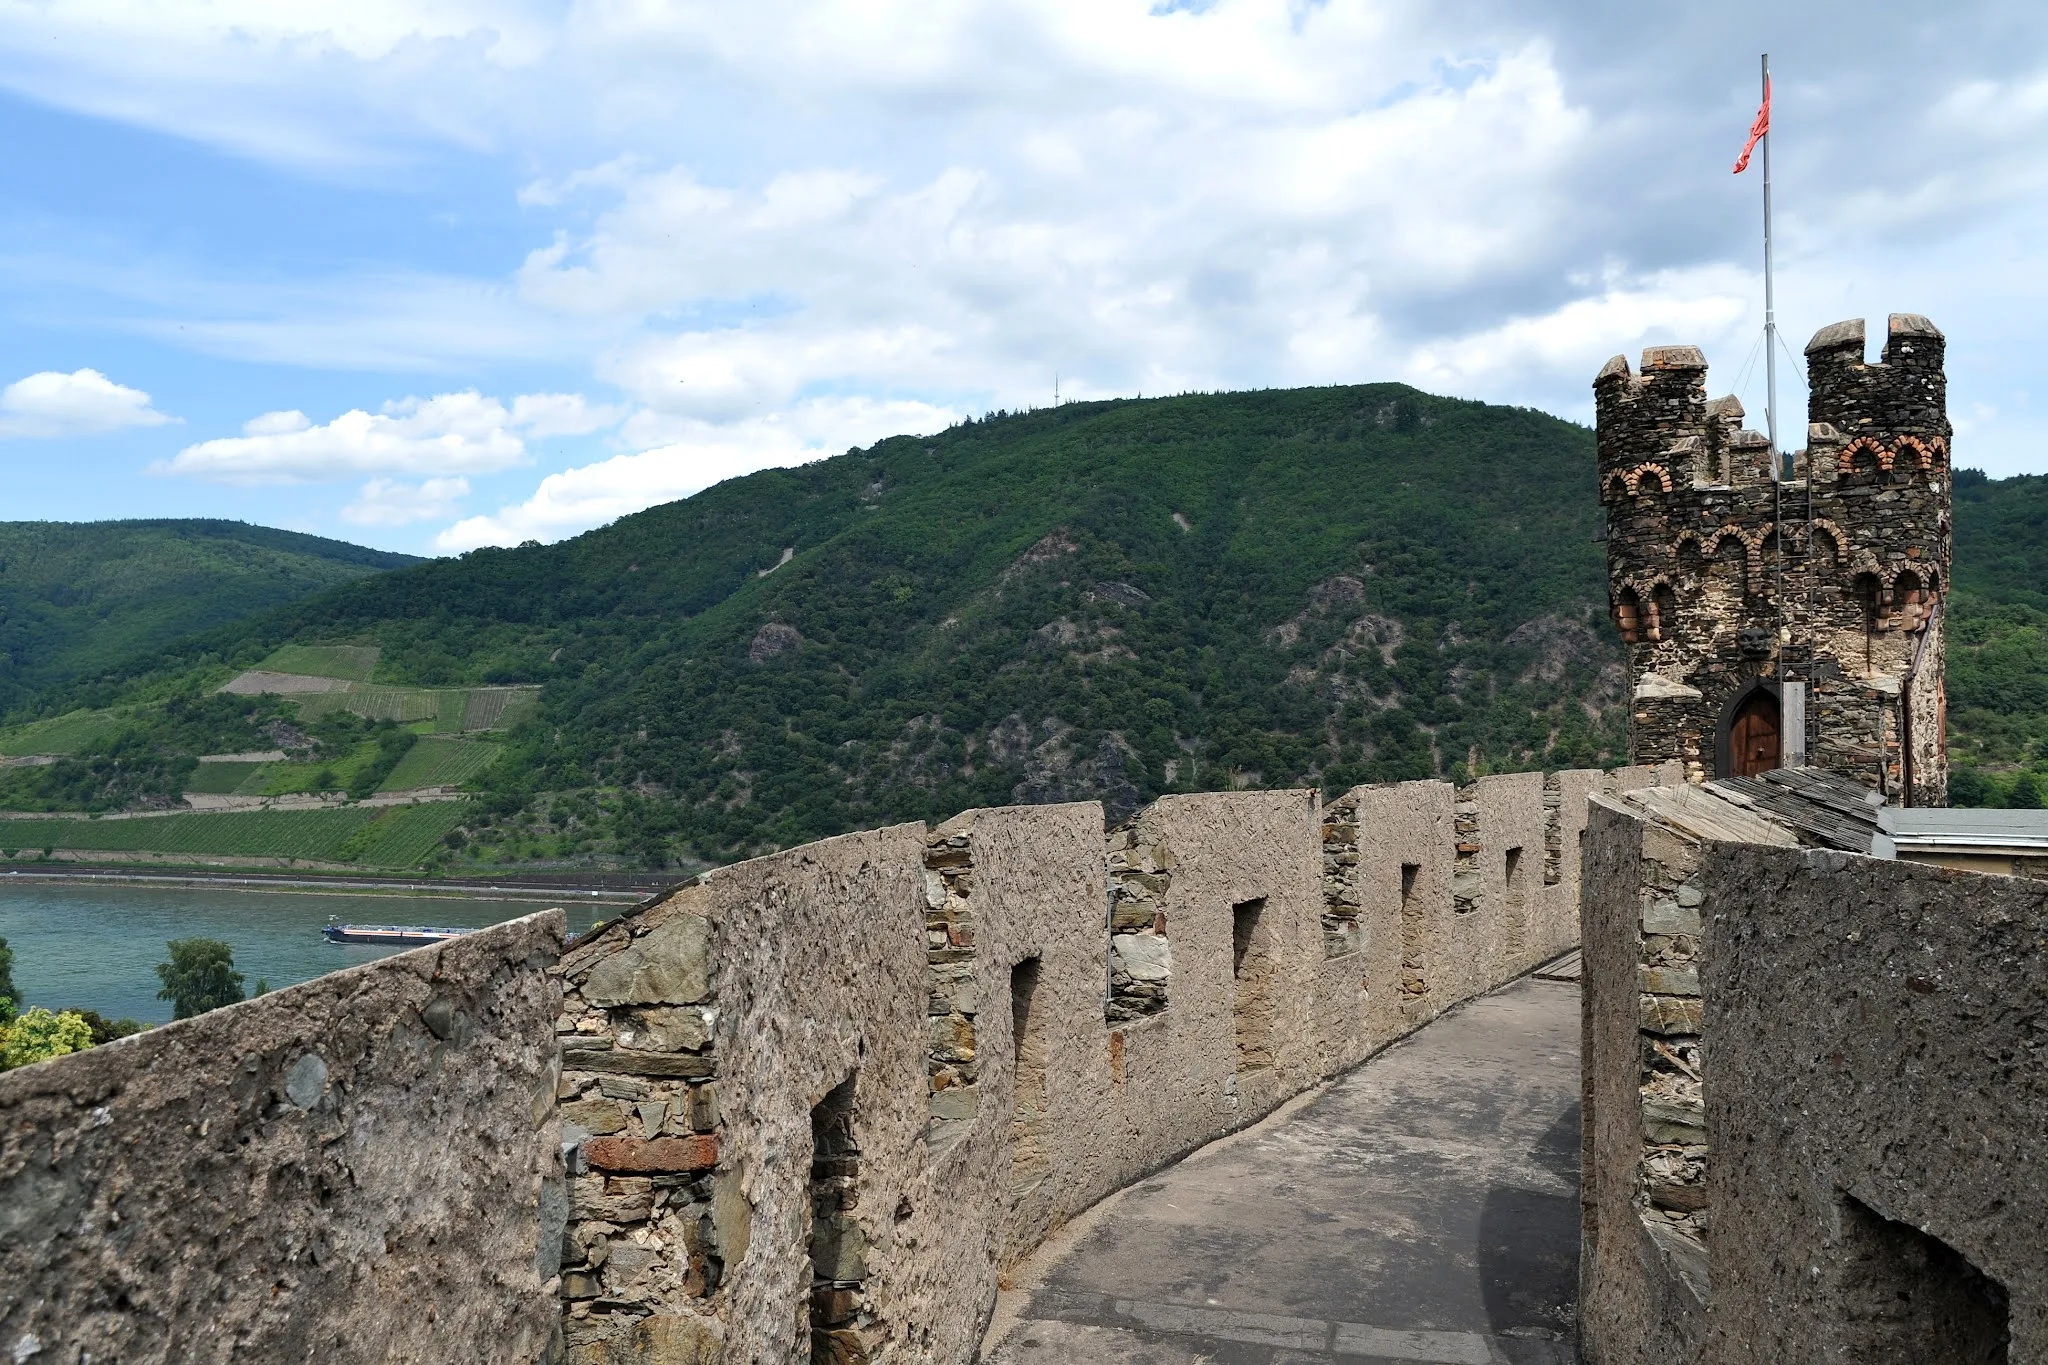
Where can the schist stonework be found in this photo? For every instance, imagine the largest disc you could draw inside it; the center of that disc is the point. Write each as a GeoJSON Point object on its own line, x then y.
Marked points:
{"type": "Point", "coordinates": [1759, 612]}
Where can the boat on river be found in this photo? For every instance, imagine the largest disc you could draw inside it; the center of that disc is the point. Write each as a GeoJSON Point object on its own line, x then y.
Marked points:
{"type": "Point", "coordinates": [388, 935]}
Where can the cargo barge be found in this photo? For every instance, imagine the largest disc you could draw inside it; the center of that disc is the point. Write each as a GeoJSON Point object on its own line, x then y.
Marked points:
{"type": "Point", "coordinates": [388, 935]}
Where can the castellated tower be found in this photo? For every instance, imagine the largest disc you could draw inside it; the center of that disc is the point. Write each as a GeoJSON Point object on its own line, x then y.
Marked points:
{"type": "Point", "coordinates": [1767, 623]}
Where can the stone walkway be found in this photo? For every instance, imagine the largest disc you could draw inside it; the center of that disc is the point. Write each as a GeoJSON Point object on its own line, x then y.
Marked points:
{"type": "Point", "coordinates": [1423, 1208]}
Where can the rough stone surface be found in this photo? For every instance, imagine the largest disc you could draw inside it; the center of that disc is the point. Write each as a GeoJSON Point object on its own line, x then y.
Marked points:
{"type": "Point", "coordinates": [315, 1174]}
{"type": "Point", "coordinates": [1710, 558]}
{"type": "Point", "coordinates": [1840, 1140]}
{"type": "Point", "coordinates": [932, 1048]}
{"type": "Point", "coordinates": [1901, 1012]}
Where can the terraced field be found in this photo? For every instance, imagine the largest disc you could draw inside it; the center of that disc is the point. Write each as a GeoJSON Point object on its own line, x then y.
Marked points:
{"type": "Point", "coordinates": [386, 836]}
{"type": "Point", "coordinates": [438, 761]}
{"type": "Point", "coordinates": [354, 663]}
{"type": "Point", "coordinates": [60, 735]}
{"type": "Point", "coordinates": [433, 710]}
{"type": "Point", "coordinates": [221, 779]}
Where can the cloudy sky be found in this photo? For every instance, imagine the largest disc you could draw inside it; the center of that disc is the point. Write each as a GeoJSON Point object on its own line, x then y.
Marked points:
{"type": "Point", "coordinates": [430, 274]}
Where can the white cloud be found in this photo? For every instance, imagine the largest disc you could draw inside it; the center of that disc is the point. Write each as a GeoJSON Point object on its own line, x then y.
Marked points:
{"type": "Point", "coordinates": [82, 403]}
{"type": "Point", "coordinates": [741, 216]}
{"type": "Point", "coordinates": [389, 502]}
{"type": "Point", "coordinates": [448, 435]}
{"type": "Point", "coordinates": [699, 455]}
{"type": "Point", "coordinates": [561, 414]}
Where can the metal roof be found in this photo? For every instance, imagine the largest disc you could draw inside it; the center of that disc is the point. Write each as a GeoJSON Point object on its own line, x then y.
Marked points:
{"type": "Point", "coordinates": [1964, 829]}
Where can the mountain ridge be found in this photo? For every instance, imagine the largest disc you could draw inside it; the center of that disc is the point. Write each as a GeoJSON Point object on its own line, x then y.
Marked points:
{"type": "Point", "coordinates": [1114, 600]}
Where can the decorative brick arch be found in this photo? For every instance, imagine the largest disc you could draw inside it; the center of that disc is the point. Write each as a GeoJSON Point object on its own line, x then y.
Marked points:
{"type": "Point", "coordinates": [1838, 539]}
{"type": "Point", "coordinates": [1928, 455]}
{"type": "Point", "coordinates": [1641, 472]}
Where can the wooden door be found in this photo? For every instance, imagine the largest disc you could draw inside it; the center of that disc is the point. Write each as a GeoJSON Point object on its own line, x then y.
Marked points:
{"type": "Point", "coordinates": [1753, 738]}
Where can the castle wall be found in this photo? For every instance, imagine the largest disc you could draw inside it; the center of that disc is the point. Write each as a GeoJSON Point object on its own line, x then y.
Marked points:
{"type": "Point", "coordinates": [360, 1168]}
{"type": "Point", "coordinates": [1721, 578]}
{"type": "Point", "coordinates": [1871, 1102]}
{"type": "Point", "coordinates": [812, 1104]}
{"type": "Point", "coordinates": [976, 983]}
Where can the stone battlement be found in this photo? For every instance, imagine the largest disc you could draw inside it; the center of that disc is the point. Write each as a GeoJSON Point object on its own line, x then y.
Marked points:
{"type": "Point", "coordinates": [1815, 1098]}
{"type": "Point", "coordinates": [809, 1106]}
{"type": "Point", "coordinates": [1726, 582]}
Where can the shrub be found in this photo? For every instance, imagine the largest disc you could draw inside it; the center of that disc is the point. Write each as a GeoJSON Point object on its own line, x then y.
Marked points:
{"type": "Point", "coordinates": [40, 1035]}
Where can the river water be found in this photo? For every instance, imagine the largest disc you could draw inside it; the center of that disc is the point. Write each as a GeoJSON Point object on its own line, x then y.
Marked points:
{"type": "Point", "coordinates": [96, 946]}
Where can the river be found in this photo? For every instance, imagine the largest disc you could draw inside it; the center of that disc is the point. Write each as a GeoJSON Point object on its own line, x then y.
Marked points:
{"type": "Point", "coordinates": [96, 945]}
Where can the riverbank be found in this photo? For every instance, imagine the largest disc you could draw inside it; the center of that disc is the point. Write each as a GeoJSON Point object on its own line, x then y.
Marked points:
{"type": "Point", "coordinates": [609, 888]}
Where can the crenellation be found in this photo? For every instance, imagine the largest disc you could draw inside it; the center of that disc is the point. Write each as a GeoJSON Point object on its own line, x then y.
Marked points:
{"type": "Point", "coordinates": [1728, 584]}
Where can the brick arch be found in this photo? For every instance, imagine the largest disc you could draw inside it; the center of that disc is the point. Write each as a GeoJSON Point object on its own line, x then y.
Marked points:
{"type": "Point", "coordinates": [1927, 455]}
{"type": "Point", "coordinates": [1617, 485]}
{"type": "Point", "coordinates": [1678, 544]}
{"type": "Point", "coordinates": [1880, 458]}
{"type": "Point", "coordinates": [1838, 539]}
{"type": "Point", "coordinates": [1752, 551]}
{"type": "Point", "coordinates": [1641, 472]}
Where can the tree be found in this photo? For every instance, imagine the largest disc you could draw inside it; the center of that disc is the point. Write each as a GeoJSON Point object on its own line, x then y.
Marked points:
{"type": "Point", "coordinates": [105, 1030]}
{"type": "Point", "coordinates": [200, 976]}
{"type": "Point", "coordinates": [2025, 793]}
{"type": "Point", "coordinates": [1967, 787]}
{"type": "Point", "coordinates": [40, 1035]}
{"type": "Point", "coordinates": [10, 998]}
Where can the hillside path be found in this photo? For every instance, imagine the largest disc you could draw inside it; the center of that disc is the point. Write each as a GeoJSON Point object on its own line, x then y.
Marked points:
{"type": "Point", "coordinates": [1422, 1208]}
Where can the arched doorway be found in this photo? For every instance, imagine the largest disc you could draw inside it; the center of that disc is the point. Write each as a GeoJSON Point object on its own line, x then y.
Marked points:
{"type": "Point", "coordinates": [1751, 736]}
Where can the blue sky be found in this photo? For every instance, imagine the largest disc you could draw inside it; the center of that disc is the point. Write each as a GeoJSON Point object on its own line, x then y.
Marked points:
{"type": "Point", "coordinates": [430, 275]}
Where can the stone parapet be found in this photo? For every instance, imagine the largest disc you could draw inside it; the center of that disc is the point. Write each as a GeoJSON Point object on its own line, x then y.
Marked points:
{"type": "Point", "coordinates": [932, 1048]}
{"type": "Point", "coordinates": [364, 1168]}
{"type": "Point", "coordinates": [1816, 1099]}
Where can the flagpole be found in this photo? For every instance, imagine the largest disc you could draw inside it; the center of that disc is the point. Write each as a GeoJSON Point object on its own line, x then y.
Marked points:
{"type": "Point", "coordinates": [1770, 303]}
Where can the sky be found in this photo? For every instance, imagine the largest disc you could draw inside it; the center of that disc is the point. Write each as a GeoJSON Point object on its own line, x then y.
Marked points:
{"type": "Point", "coordinates": [436, 274]}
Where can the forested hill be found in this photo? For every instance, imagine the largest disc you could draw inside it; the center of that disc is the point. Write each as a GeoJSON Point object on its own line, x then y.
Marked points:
{"type": "Point", "coordinates": [1315, 586]}
{"type": "Point", "coordinates": [1114, 600]}
{"type": "Point", "coordinates": [77, 598]}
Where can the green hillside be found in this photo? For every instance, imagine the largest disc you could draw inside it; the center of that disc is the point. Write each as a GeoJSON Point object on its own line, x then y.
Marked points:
{"type": "Point", "coordinates": [77, 598]}
{"type": "Point", "coordinates": [1114, 600]}
{"type": "Point", "coordinates": [1998, 643]}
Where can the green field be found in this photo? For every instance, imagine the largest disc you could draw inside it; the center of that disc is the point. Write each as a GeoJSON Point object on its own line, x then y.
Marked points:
{"type": "Point", "coordinates": [221, 779]}
{"type": "Point", "coordinates": [62, 735]}
{"type": "Point", "coordinates": [432, 710]}
{"type": "Point", "coordinates": [354, 662]}
{"type": "Point", "coordinates": [499, 708]}
{"type": "Point", "coordinates": [440, 762]}
{"type": "Point", "coordinates": [387, 836]}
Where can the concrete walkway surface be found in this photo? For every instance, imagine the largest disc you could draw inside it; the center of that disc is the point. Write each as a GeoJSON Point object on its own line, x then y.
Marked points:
{"type": "Point", "coordinates": [1423, 1208]}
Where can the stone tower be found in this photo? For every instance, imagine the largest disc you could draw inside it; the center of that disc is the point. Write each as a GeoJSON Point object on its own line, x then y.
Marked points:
{"type": "Point", "coordinates": [1772, 623]}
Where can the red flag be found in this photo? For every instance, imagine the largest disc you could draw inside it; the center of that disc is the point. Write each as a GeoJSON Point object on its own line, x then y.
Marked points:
{"type": "Point", "coordinates": [1756, 130]}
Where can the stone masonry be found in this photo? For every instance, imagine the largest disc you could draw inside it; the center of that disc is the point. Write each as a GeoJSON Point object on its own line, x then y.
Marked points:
{"type": "Point", "coordinates": [1816, 1094]}
{"type": "Point", "coordinates": [1723, 580]}
{"type": "Point", "coordinates": [810, 1106]}
{"type": "Point", "coordinates": [363, 1168]}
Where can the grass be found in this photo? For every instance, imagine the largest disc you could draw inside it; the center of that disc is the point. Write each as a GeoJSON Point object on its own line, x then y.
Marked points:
{"type": "Point", "coordinates": [221, 779]}
{"type": "Point", "coordinates": [355, 663]}
{"type": "Point", "coordinates": [440, 762]}
{"type": "Point", "coordinates": [65, 734]}
{"type": "Point", "coordinates": [386, 836]}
